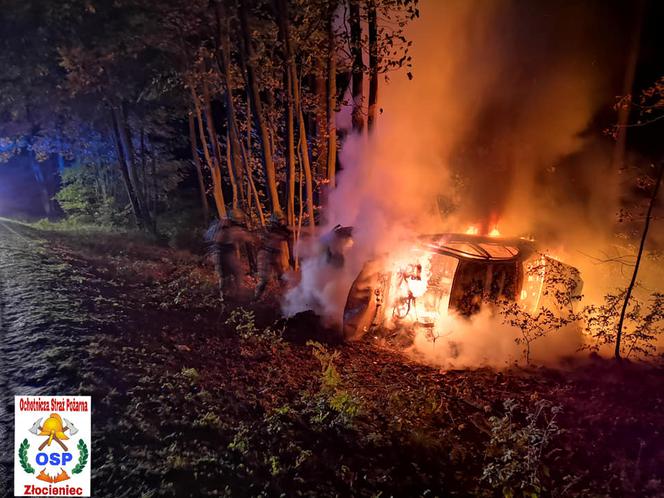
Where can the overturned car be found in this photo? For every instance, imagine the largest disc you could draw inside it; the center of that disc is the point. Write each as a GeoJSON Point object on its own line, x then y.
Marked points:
{"type": "Point", "coordinates": [452, 273]}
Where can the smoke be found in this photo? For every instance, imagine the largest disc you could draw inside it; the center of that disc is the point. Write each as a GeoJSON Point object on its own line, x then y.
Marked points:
{"type": "Point", "coordinates": [493, 129]}
{"type": "Point", "coordinates": [483, 340]}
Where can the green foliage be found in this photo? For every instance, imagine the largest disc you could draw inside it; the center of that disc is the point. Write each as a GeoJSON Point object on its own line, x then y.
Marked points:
{"type": "Point", "coordinates": [140, 64]}
{"type": "Point", "coordinates": [514, 456]}
{"type": "Point", "coordinates": [209, 421]}
{"type": "Point", "coordinates": [191, 374]}
{"type": "Point", "coordinates": [77, 196]}
{"type": "Point", "coordinates": [330, 378]}
{"type": "Point", "coordinates": [83, 200]}
{"type": "Point", "coordinates": [244, 323]}
{"type": "Point", "coordinates": [240, 442]}
{"type": "Point", "coordinates": [332, 406]}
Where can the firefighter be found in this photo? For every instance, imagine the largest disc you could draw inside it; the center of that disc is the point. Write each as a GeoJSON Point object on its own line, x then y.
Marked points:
{"type": "Point", "coordinates": [335, 244]}
{"type": "Point", "coordinates": [226, 236]}
{"type": "Point", "coordinates": [272, 257]}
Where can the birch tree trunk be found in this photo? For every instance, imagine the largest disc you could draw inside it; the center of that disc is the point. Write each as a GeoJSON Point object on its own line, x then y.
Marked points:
{"type": "Point", "coordinates": [321, 113]}
{"type": "Point", "coordinates": [373, 63]}
{"type": "Point", "coordinates": [214, 141]}
{"type": "Point", "coordinates": [282, 13]}
{"type": "Point", "coordinates": [331, 106]}
{"type": "Point", "coordinates": [290, 147]}
{"type": "Point", "coordinates": [358, 65]}
{"type": "Point", "coordinates": [223, 54]}
{"type": "Point", "coordinates": [199, 170]}
{"type": "Point", "coordinates": [217, 191]}
{"type": "Point", "coordinates": [304, 151]}
{"type": "Point", "coordinates": [268, 161]}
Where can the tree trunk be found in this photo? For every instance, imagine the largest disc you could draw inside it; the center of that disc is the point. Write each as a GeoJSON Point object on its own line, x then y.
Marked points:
{"type": "Point", "coordinates": [373, 64]}
{"type": "Point", "coordinates": [124, 172]}
{"type": "Point", "coordinates": [144, 174]}
{"type": "Point", "coordinates": [229, 162]}
{"type": "Point", "coordinates": [321, 114]}
{"type": "Point", "coordinates": [217, 190]}
{"type": "Point", "coordinates": [290, 147]}
{"type": "Point", "coordinates": [268, 162]}
{"type": "Point", "coordinates": [304, 151]}
{"type": "Point", "coordinates": [223, 54]}
{"type": "Point", "coordinates": [282, 13]}
{"type": "Point", "coordinates": [644, 236]}
{"type": "Point", "coordinates": [251, 187]}
{"type": "Point", "coordinates": [247, 149]}
{"type": "Point", "coordinates": [358, 65]}
{"type": "Point", "coordinates": [125, 136]}
{"type": "Point", "coordinates": [216, 147]}
{"type": "Point", "coordinates": [126, 141]}
{"type": "Point", "coordinates": [257, 200]}
{"type": "Point", "coordinates": [199, 170]}
{"type": "Point", "coordinates": [331, 106]}
{"type": "Point", "coordinates": [246, 154]}
{"type": "Point", "coordinates": [155, 194]}
{"type": "Point", "coordinates": [46, 193]}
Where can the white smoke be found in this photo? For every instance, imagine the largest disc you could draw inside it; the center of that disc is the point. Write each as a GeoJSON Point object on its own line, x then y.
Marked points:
{"type": "Point", "coordinates": [500, 95]}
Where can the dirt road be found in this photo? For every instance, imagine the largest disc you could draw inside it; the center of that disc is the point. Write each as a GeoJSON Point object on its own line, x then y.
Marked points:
{"type": "Point", "coordinates": [43, 328]}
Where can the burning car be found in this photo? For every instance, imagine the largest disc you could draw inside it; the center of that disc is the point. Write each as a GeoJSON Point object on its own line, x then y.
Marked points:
{"type": "Point", "coordinates": [450, 273]}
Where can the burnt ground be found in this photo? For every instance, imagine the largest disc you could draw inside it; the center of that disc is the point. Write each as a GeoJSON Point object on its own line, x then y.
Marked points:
{"type": "Point", "coordinates": [192, 400]}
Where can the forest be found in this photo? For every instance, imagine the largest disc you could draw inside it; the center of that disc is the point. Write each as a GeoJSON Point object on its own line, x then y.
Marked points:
{"type": "Point", "coordinates": [114, 93]}
{"type": "Point", "coordinates": [331, 248]}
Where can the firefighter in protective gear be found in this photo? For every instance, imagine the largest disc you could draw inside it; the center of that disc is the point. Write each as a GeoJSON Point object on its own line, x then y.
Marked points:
{"type": "Point", "coordinates": [272, 258]}
{"type": "Point", "coordinates": [335, 244]}
{"type": "Point", "coordinates": [225, 237]}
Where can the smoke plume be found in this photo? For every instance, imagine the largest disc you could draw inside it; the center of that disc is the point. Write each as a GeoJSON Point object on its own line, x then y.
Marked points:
{"type": "Point", "coordinates": [492, 130]}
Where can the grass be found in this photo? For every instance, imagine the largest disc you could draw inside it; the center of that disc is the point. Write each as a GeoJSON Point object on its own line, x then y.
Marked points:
{"type": "Point", "coordinates": [190, 401]}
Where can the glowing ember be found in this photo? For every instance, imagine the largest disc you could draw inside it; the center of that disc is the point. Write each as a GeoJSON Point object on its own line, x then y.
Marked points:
{"type": "Point", "coordinates": [473, 230]}
{"type": "Point", "coordinates": [494, 233]}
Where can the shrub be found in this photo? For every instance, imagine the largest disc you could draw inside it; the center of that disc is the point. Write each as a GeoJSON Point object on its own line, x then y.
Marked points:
{"type": "Point", "coordinates": [333, 405]}
{"type": "Point", "coordinates": [514, 460]}
{"type": "Point", "coordinates": [84, 201]}
{"type": "Point", "coordinates": [560, 291]}
{"type": "Point", "coordinates": [643, 325]}
{"type": "Point", "coordinates": [244, 323]}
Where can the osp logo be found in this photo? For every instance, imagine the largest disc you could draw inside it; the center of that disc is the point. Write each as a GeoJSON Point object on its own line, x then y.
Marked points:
{"type": "Point", "coordinates": [52, 444]}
